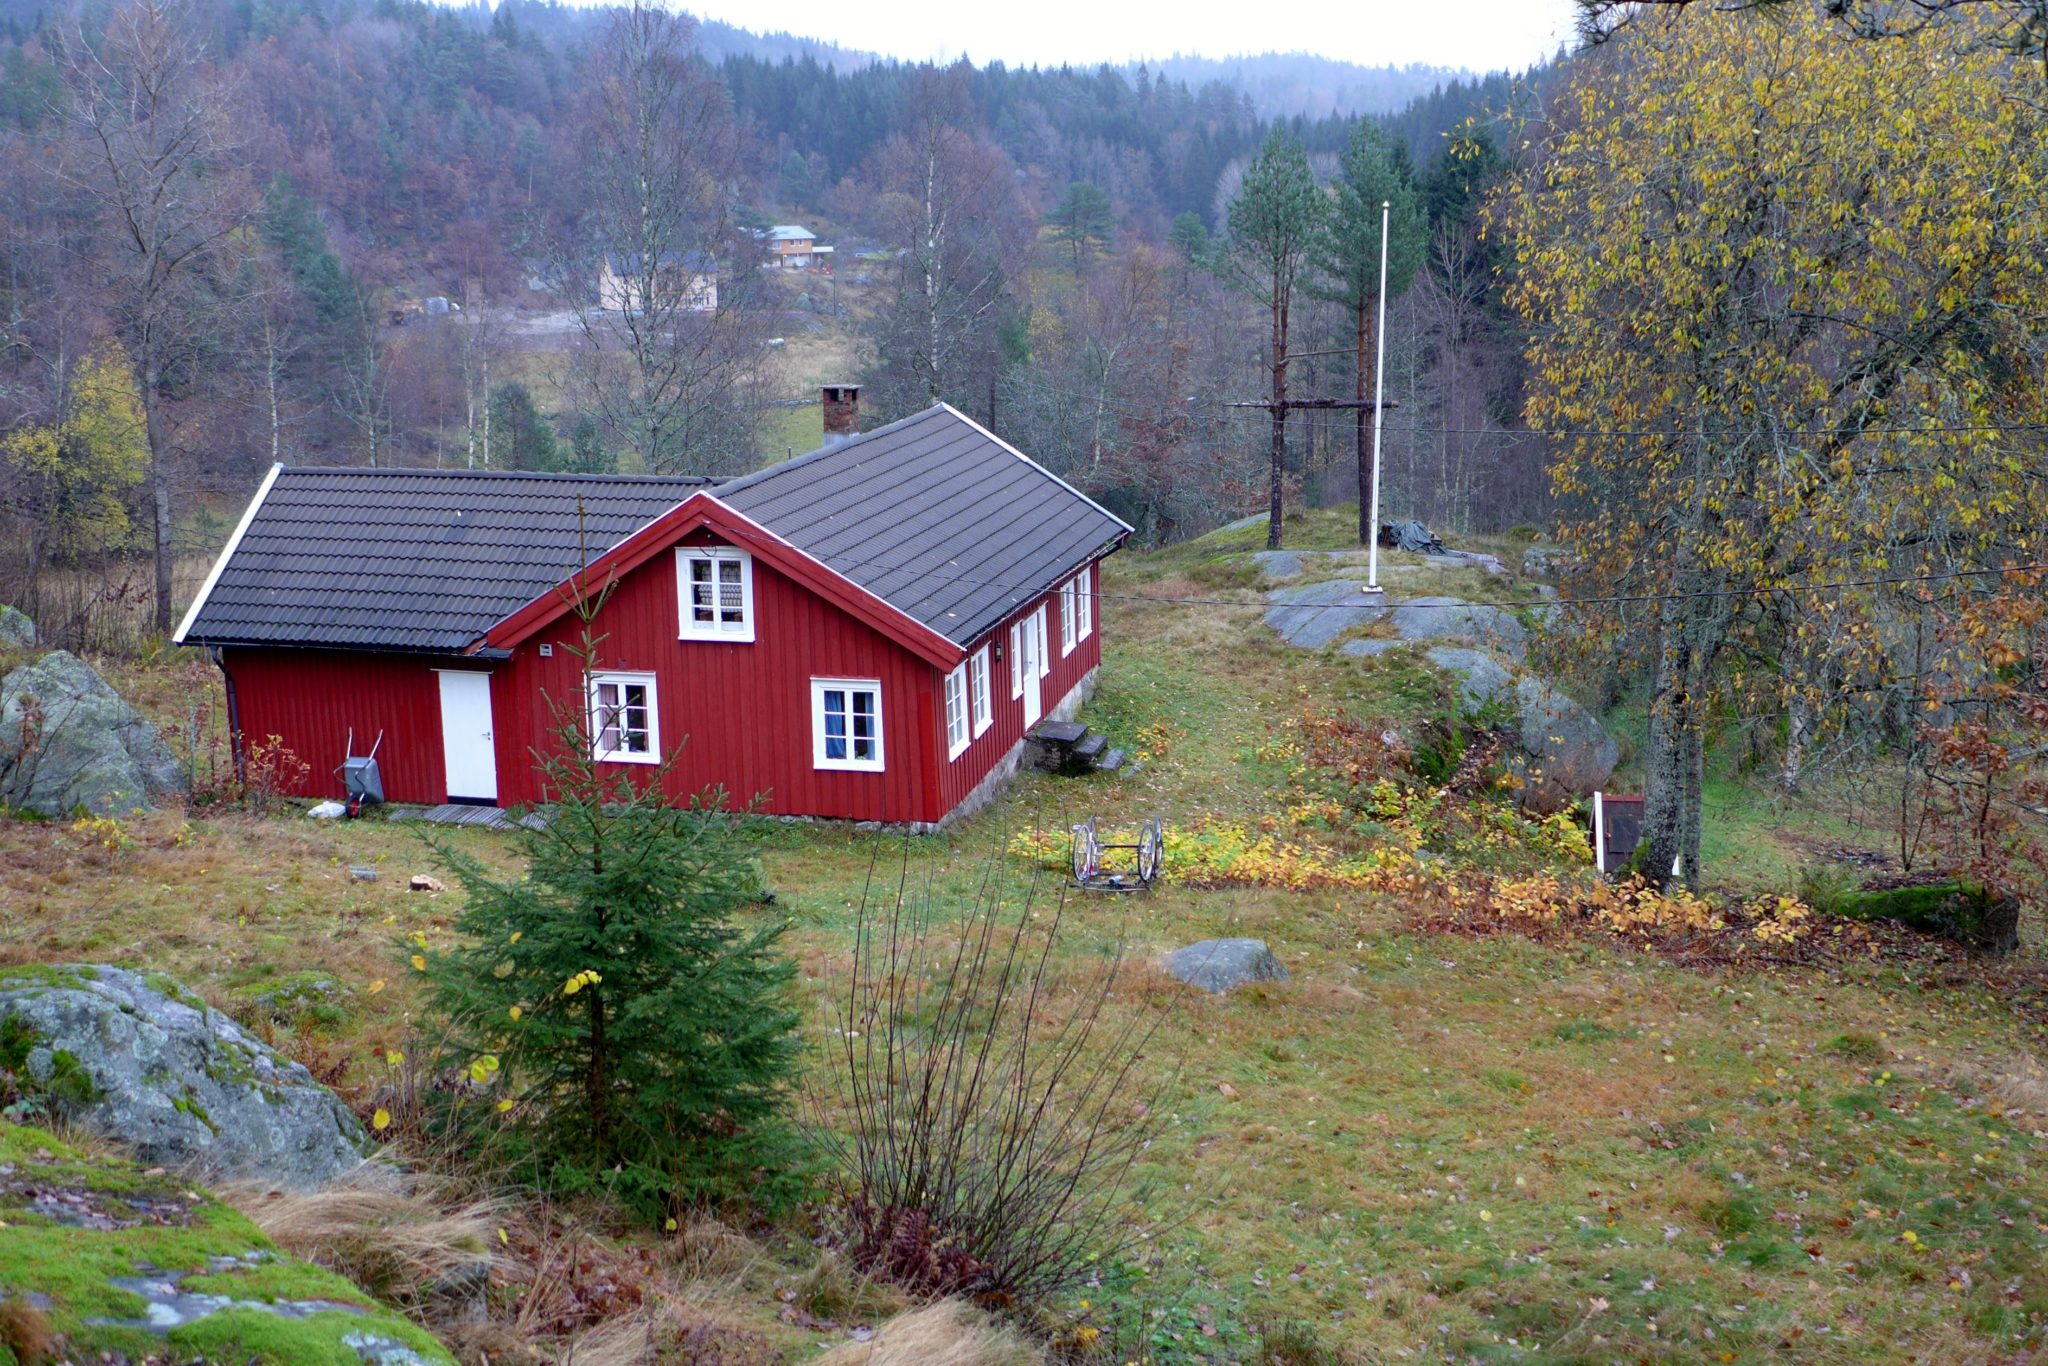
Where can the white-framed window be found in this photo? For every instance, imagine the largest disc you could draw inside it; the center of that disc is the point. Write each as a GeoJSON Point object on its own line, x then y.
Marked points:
{"type": "Point", "coordinates": [846, 723]}
{"type": "Point", "coordinates": [1070, 616]}
{"type": "Point", "coordinates": [977, 690]}
{"type": "Point", "coordinates": [1044, 654]}
{"type": "Point", "coordinates": [715, 585]}
{"type": "Point", "coordinates": [957, 719]}
{"type": "Point", "coordinates": [1017, 629]}
{"type": "Point", "coordinates": [1085, 584]}
{"type": "Point", "coordinates": [625, 726]}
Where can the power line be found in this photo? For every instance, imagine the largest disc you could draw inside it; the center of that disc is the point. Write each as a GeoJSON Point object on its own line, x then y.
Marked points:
{"type": "Point", "coordinates": [1615, 599]}
{"type": "Point", "coordinates": [1210, 409]}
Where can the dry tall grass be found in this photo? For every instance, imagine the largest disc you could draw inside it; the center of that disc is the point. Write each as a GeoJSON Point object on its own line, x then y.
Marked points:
{"type": "Point", "coordinates": [948, 1333]}
{"type": "Point", "coordinates": [406, 1243]}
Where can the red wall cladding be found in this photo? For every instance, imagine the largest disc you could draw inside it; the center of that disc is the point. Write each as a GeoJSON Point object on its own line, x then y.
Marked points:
{"type": "Point", "coordinates": [958, 778]}
{"type": "Point", "coordinates": [740, 711]}
{"type": "Point", "coordinates": [310, 698]}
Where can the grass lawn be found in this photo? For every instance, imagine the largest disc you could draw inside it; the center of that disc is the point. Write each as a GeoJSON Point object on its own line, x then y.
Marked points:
{"type": "Point", "coordinates": [1424, 1145]}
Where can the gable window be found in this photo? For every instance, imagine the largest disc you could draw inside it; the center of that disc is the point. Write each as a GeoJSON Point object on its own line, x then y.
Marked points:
{"type": "Point", "coordinates": [1070, 616]}
{"type": "Point", "coordinates": [846, 723]}
{"type": "Point", "coordinates": [1084, 583]}
{"type": "Point", "coordinates": [977, 690]}
{"type": "Point", "coordinates": [623, 725]}
{"type": "Point", "coordinates": [957, 720]}
{"type": "Point", "coordinates": [716, 587]}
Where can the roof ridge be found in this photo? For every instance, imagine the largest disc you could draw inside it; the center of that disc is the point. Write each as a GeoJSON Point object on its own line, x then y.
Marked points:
{"type": "Point", "coordinates": [397, 470]}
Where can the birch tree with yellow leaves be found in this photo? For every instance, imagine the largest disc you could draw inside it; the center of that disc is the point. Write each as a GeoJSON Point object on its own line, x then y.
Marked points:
{"type": "Point", "coordinates": [1785, 291]}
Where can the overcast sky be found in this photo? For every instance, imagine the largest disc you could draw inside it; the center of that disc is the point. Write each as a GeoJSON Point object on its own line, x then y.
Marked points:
{"type": "Point", "coordinates": [1480, 34]}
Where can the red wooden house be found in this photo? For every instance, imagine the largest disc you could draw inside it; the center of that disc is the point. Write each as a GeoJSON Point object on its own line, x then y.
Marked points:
{"type": "Point", "coordinates": [865, 632]}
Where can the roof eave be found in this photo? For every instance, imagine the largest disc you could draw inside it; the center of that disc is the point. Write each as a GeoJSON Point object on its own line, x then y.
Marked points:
{"type": "Point", "coordinates": [1101, 552]}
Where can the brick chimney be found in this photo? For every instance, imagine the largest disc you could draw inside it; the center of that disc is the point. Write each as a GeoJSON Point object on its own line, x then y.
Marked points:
{"type": "Point", "coordinates": [842, 409]}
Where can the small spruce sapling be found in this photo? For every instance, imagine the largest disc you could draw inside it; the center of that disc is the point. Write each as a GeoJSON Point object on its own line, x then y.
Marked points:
{"type": "Point", "coordinates": [616, 1029]}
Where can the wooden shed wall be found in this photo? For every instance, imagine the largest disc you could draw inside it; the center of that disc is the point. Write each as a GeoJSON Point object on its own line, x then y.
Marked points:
{"type": "Point", "coordinates": [308, 700]}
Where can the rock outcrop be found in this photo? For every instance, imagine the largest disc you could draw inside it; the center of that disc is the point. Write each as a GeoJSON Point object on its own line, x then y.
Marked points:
{"type": "Point", "coordinates": [176, 1082]}
{"type": "Point", "coordinates": [17, 632]}
{"type": "Point", "coordinates": [1314, 614]}
{"type": "Point", "coordinates": [125, 1264]}
{"type": "Point", "coordinates": [1481, 678]}
{"type": "Point", "coordinates": [1490, 628]}
{"type": "Point", "coordinates": [1218, 965]}
{"type": "Point", "coordinates": [67, 741]}
{"type": "Point", "coordinates": [1566, 752]}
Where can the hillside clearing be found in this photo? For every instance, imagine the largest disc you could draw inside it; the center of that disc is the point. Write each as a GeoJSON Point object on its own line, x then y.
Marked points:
{"type": "Point", "coordinates": [1488, 1147]}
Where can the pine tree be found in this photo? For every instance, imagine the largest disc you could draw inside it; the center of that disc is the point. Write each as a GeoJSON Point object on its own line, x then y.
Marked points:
{"type": "Point", "coordinates": [527, 438]}
{"type": "Point", "coordinates": [1275, 221]}
{"type": "Point", "coordinates": [1189, 237]}
{"type": "Point", "coordinates": [1349, 260]}
{"type": "Point", "coordinates": [292, 228]}
{"type": "Point", "coordinates": [1083, 219]}
{"type": "Point", "coordinates": [617, 1026]}
{"type": "Point", "coordinates": [587, 451]}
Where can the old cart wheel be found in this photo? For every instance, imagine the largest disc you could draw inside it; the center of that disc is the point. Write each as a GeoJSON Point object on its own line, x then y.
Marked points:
{"type": "Point", "coordinates": [1087, 853]}
{"type": "Point", "coordinates": [1151, 851]}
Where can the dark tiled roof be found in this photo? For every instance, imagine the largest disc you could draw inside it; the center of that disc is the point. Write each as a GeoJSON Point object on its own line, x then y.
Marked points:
{"type": "Point", "coordinates": [415, 559]}
{"type": "Point", "coordinates": [933, 515]}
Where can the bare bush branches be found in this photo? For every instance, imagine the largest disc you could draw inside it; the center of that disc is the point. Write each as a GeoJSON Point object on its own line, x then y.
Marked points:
{"type": "Point", "coordinates": [990, 1090]}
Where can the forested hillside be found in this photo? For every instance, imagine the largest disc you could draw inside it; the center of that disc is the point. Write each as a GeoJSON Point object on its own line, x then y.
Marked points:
{"type": "Point", "coordinates": [390, 219]}
{"type": "Point", "coordinates": [1304, 84]}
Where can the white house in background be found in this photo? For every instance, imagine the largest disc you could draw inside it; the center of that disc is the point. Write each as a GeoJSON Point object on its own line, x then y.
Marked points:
{"type": "Point", "coordinates": [791, 246]}
{"type": "Point", "coordinates": [684, 280]}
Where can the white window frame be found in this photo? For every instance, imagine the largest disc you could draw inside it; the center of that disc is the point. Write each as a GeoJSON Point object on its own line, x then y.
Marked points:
{"type": "Point", "coordinates": [623, 679]}
{"type": "Point", "coordinates": [1070, 616]}
{"type": "Point", "coordinates": [1085, 581]}
{"type": "Point", "coordinates": [958, 720]}
{"type": "Point", "coordinates": [1044, 651]}
{"type": "Point", "coordinates": [740, 632]}
{"type": "Point", "coordinates": [819, 759]}
{"type": "Point", "coordinates": [1017, 659]}
{"type": "Point", "coordinates": [978, 694]}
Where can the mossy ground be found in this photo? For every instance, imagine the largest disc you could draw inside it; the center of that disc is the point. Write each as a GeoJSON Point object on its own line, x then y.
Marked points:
{"type": "Point", "coordinates": [1432, 1145]}
{"type": "Point", "coordinates": [69, 1270]}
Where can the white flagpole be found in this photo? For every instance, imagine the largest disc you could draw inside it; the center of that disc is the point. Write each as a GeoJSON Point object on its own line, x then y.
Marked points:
{"type": "Point", "coordinates": [1379, 386]}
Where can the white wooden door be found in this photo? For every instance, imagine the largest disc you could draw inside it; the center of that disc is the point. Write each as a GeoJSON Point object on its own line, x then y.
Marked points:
{"type": "Point", "coordinates": [1029, 644]}
{"type": "Point", "coordinates": [466, 736]}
